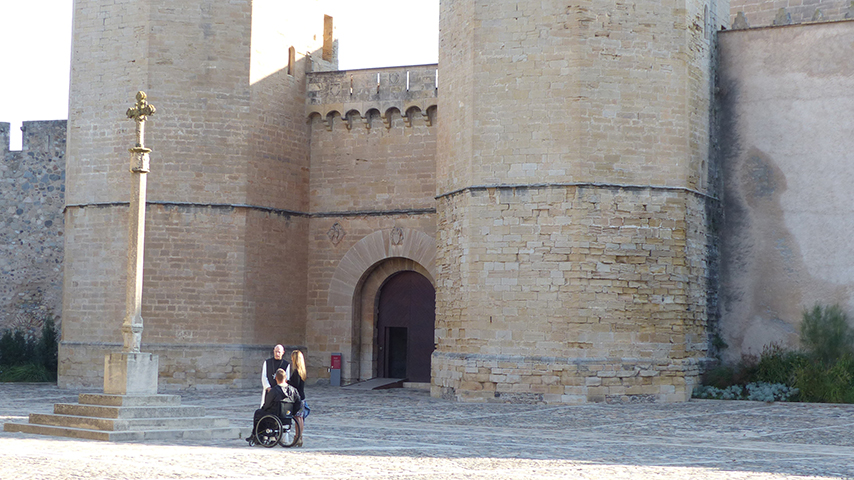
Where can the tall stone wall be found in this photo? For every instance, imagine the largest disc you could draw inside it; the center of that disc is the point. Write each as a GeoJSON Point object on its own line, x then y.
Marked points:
{"type": "Point", "coordinates": [372, 173]}
{"type": "Point", "coordinates": [573, 183]}
{"type": "Point", "coordinates": [786, 155]}
{"type": "Point", "coordinates": [32, 196]}
{"type": "Point", "coordinates": [227, 192]}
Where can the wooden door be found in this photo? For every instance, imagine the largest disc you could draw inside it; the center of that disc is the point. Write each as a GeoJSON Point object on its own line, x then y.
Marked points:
{"type": "Point", "coordinates": [406, 317]}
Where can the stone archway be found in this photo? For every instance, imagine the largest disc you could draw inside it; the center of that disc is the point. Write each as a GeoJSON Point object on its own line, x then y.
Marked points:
{"type": "Point", "coordinates": [360, 274]}
{"type": "Point", "coordinates": [365, 313]}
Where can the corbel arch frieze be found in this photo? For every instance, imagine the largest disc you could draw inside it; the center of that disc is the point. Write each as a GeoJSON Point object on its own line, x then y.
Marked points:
{"type": "Point", "coordinates": [409, 111]}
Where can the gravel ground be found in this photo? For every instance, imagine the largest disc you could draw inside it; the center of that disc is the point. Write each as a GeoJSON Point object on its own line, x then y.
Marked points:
{"type": "Point", "coordinates": [406, 434]}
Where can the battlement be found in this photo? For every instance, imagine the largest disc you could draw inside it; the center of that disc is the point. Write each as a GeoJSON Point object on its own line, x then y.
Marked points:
{"type": "Point", "coordinates": [358, 96]}
{"type": "Point", "coordinates": [46, 136]}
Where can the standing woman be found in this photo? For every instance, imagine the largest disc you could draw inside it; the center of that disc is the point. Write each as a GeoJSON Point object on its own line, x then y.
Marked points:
{"type": "Point", "coordinates": [297, 380]}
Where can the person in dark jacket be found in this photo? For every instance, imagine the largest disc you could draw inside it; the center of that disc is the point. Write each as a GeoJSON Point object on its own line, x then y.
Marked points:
{"type": "Point", "coordinates": [281, 391]}
{"type": "Point", "coordinates": [297, 380]}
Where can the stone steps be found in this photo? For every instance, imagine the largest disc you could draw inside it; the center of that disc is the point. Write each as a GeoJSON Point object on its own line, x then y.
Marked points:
{"type": "Point", "coordinates": [111, 424]}
{"type": "Point", "coordinates": [127, 418]}
{"type": "Point", "coordinates": [127, 412]}
{"type": "Point", "coordinates": [124, 436]}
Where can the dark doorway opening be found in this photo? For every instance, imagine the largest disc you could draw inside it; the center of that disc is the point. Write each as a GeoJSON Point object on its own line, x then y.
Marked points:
{"type": "Point", "coordinates": [405, 327]}
{"type": "Point", "coordinates": [396, 351]}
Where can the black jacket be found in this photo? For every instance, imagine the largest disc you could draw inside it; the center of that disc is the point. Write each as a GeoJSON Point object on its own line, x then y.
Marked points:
{"type": "Point", "coordinates": [278, 393]}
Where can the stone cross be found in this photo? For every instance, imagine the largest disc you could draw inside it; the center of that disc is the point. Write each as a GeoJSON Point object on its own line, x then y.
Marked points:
{"type": "Point", "coordinates": [139, 163]}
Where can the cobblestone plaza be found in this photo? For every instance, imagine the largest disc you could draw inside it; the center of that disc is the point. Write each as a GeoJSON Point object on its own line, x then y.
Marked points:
{"type": "Point", "coordinates": [408, 434]}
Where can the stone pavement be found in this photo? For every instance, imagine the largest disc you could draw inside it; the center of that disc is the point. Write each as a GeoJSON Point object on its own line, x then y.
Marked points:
{"type": "Point", "coordinates": [409, 435]}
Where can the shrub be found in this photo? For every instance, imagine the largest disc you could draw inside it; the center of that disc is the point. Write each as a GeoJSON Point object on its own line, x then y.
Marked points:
{"type": "Point", "coordinates": [825, 333]}
{"type": "Point", "coordinates": [48, 347]}
{"type": "Point", "coordinates": [826, 382]}
{"type": "Point", "coordinates": [756, 391]}
{"type": "Point", "coordinates": [29, 372]}
{"type": "Point", "coordinates": [30, 359]}
{"type": "Point", "coordinates": [720, 376]}
{"type": "Point", "coordinates": [777, 365]}
{"type": "Point", "coordinates": [822, 372]}
{"type": "Point", "coordinates": [16, 348]}
{"type": "Point", "coordinates": [770, 392]}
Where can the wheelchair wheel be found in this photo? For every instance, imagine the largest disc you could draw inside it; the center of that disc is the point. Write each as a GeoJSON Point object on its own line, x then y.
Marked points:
{"type": "Point", "coordinates": [290, 434]}
{"type": "Point", "coordinates": [268, 432]}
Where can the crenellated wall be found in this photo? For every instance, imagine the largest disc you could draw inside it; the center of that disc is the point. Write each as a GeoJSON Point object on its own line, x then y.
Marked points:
{"type": "Point", "coordinates": [32, 196]}
{"type": "Point", "coordinates": [362, 97]}
{"type": "Point", "coordinates": [372, 173]}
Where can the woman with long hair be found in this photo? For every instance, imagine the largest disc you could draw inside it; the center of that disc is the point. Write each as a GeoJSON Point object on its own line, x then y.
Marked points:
{"type": "Point", "coordinates": [297, 380]}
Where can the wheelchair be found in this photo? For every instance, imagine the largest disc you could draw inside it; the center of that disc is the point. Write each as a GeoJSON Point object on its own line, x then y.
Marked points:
{"type": "Point", "coordinates": [280, 428]}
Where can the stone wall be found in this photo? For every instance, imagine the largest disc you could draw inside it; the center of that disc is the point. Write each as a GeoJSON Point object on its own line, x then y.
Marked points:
{"type": "Point", "coordinates": [762, 13]}
{"type": "Point", "coordinates": [32, 196]}
{"type": "Point", "coordinates": [785, 132]}
{"type": "Point", "coordinates": [225, 257]}
{"type": "Point", "coordinates": [372, 172]}
{"type": "Point", "coordinates": [585, 294]}
{"type": "Point", "coordinates": [573, 174]}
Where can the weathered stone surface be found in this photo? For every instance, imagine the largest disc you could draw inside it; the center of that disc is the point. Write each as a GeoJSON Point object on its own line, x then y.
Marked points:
{"type": "Point", "coordinates": [762, 13]}
{"type": "Point", "coordinates": [786, 175]}
{"type": "Point", "coordinates": [32, 195]}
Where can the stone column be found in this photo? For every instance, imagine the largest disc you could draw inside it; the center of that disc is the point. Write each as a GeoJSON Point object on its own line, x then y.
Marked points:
{"type": "Point", "coordinates": [131, 371]}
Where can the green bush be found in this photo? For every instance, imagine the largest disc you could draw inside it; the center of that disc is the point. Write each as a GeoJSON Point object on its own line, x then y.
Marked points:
{"type": "Point", "coordinates": [826, 382]}
{"type": "Point", "coordinates": [27, 359]}
{"type": "Point", "coordinates": [29, 372]}
{"type": "Point", "coordinates": [720, 376]}
{"type": "Point", "coordinates": [825, 333]}
{"type": "Point", "coordinates": [777, 365]}
{"type": "Point", "coordinates": [48, 347]}
{"type": "Point", "coordinates": [16, 348]}
{"type": "Point", "coordinates": [723, 376]}
{"type": "Point", "coordinates": [822, 372]}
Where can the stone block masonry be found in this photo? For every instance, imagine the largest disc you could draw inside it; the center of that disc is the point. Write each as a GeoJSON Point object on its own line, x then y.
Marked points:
{"type": "Point", "coordinates": [32, 196]}
{"type": "Point", "coordinates": [573, 179]}
{"type": "Point", "coordinates": [567, 294]}
{"type": "Point", "coordinates": [373, 172]}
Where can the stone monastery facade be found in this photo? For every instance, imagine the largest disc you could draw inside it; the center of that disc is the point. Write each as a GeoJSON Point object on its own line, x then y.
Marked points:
{"type": "Point", "coordinates": [580, 202]}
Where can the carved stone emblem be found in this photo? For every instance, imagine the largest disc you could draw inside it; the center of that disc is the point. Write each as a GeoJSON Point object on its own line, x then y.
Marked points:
{"type": "Point", "coordinates": [336, 233]}
{"type": "Point", "coordinates": [396, 236]}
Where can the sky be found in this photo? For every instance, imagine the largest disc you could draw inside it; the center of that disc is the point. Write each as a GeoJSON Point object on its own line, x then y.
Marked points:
{"type": "Point", "coordinates": [35, 48]}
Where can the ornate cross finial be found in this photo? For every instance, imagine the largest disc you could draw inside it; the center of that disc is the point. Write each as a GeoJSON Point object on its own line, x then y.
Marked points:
{"type": "Point", "coordinates": [138, 113]}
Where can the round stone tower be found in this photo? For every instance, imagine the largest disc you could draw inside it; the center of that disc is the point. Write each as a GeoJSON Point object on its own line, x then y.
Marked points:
{"type": "Point", "coordinates": [573, 191]}
{"type": "Point", "coordinates": [227, 191]}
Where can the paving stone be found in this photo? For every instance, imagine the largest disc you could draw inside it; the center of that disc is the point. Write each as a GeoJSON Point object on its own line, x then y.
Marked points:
{"type": "Point", "coordinates": [404, 433]}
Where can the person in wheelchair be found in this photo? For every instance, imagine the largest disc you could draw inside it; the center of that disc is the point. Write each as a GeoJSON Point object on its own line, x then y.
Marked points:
{"type": "Point", "coordinates": [273, 420]}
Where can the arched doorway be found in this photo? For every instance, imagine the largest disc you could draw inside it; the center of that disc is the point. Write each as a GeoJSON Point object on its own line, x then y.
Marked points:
{"type": "Point", "coordinates": [406, 316]}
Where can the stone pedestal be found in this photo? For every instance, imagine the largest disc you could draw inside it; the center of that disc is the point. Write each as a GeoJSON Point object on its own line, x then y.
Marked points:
{"type": "Point", "coordinates": [130, 374]}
